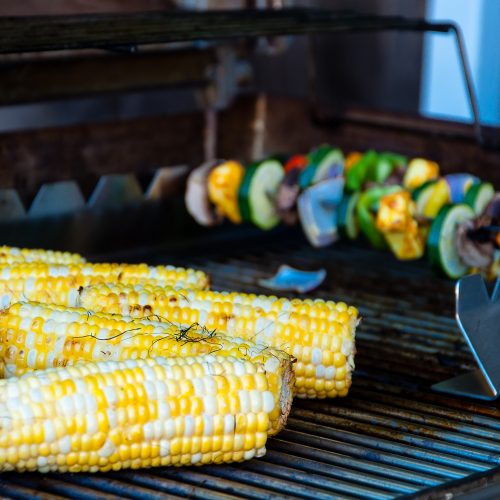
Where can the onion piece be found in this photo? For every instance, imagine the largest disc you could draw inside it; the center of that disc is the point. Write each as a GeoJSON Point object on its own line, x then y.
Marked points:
{"type": "Point", "coordinates": [473, 253]}
{"type": "Point", "coordinates": [197, 201]}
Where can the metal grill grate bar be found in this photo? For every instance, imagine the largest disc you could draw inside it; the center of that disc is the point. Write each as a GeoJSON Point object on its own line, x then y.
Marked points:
{"type": "Point", "coordinates": [353, 457]}
{"type": "Point", "coordinates": [405, 431]}
{"type": "Point", "coordinates": [384, 439]}
{"type": "Point", "coordinates": [380, 451]}
{"type": "Point", "coordinates": [338, 472]}
{"type": "Point", "coordinates": [365, 403]}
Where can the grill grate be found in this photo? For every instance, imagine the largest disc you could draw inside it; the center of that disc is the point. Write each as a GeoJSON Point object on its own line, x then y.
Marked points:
{"type": "Point", "coordinates": [390, 437]}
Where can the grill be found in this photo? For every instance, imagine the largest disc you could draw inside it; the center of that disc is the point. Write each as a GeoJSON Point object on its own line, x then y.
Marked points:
{"type": "Point", "coordinates": [390, 437]}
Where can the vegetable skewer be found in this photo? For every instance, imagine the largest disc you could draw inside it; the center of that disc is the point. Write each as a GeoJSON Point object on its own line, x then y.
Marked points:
{"type": "Point", "coordinates": [308, 190]}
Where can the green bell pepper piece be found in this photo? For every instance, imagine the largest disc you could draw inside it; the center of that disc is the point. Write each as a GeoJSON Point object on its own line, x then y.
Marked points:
{"type": "Point", "coordinates": [383, 167]}
{"type": "Point", "coordinates": [368, 204]}
{"type": "Point", "coordinates": [357, 174]}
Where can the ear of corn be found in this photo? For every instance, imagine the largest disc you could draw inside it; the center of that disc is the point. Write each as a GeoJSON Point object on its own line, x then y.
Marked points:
{"type": "Point", "coordinates": [10, 255]}
{"type": "Point", "coordinates": [137, 413]}
{"type": "Point", "coordinates": [319, 334]}
{"type": "Point", "coordinates": [35, 336]}
{"type": "Point", "coordinates": [57, 283]}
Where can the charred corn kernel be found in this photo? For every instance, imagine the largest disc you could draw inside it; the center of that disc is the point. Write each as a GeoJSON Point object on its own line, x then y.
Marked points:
{"type": "Point", "coordinates": [319, 334]}
{"type": "Point", "coordinates": [101, 337]}
{"type": "Point", "coordinates": [58, 283]}
{"type": "Point", "coordinates": [11, 255]}
{"type": "Point", "coordinates": [129, 443]}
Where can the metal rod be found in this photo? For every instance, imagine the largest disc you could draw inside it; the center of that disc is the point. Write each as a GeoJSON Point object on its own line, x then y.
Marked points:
{"type": "Point", "coordinates": [464, 61]}
{"type": "Point", "coordinates": [108, 31]}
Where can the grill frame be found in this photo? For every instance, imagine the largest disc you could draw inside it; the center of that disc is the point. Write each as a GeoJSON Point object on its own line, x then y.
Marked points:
{"type": "Point", "coordinates": [391, 437]}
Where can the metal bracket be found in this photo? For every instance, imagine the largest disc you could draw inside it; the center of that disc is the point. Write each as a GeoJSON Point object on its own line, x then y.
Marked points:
{"type": "Point", "coordinates": [57, 198]}
{"type": "Point", "coordinates": [115, 190]}
{"type": "Point", "coordinates": [478, 316]}
{"type": "Point", "coordinates": [11, 206]}
{"type": "Point", "coordinates": [402, 24]}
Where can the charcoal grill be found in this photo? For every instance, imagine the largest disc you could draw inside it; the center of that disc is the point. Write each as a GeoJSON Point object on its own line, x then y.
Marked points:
{"type": "Point", "coordinates": [392, 436]}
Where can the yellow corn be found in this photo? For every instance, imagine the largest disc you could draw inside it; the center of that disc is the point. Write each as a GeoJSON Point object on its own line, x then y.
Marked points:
{"type": "Point", "coordinates": [54, 283]}
{"type": "Point", "coordinates": [35, 336]}
{"type": "Point", "coordinates": [11, 255]}
{"type": "Point", "coordinates": [319, 334]}
{"type": "Point", "coordinates": [137, 413]}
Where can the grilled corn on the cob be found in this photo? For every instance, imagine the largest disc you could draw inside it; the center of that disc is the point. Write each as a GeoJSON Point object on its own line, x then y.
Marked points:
{"type": "Point", "coordinates": [35, 336]}
{"type": "Point", "coordinates": [319, 334]}
{"type": "Point", "coordinates": [136, 413]}
{"type": "Point", "coordinates": [10, 255]}
{"type": "Point", "coordinates": [54, 283]}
